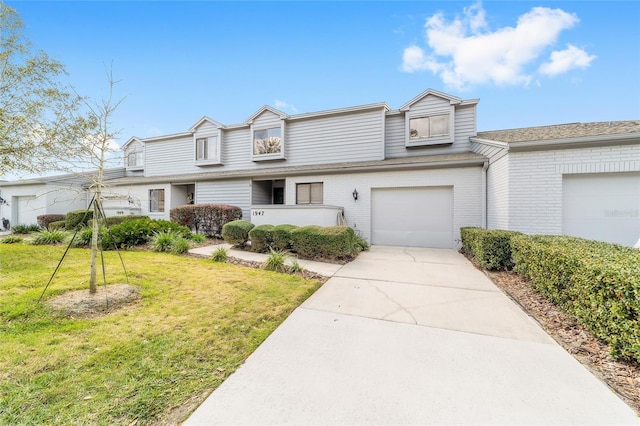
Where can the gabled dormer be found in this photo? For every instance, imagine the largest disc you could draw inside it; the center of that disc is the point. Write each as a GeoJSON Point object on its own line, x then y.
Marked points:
{"type": "Point", "coordinates": [133, 154]}
{"type": "Point", "coordinates": [207, 142]}
{"type": "Point", "coordinates": [267, 130]}
{"type": "Point", "coordinates": [430, 118]}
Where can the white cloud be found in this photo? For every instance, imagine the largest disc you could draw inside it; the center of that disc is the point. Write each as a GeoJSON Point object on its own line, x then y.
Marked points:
{"type": "Point", "coordinates": [282, 105]}
{"type": "Point", "coordinates": [565, 60]}
{"type": "Point", "coordinates": [465, 51]}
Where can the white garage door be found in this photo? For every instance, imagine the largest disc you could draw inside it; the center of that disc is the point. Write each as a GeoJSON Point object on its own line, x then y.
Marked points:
{"type": "Point", "coordinates": [26, 212]}
{"type": "Point", "coordinates": [415, 217]}
{"type": "Point", "coordinates": [604, 207]}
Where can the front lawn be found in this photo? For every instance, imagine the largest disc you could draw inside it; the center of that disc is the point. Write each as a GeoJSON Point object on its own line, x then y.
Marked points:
{"type": "Point", "coordinates": [196, 323]}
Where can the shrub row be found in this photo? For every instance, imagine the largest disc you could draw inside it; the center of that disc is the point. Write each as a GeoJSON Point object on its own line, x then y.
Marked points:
{"type": "Point", "coordinates": [45, 219]}
{"type": "Point", "coordinates": [491, 248]}
{"type": "Point", "coordinates": [207, 219]}
{"type": "Point", "coordinates": [116, 220]}
{"type": "Point", "coordinates": [311, 241]}
{"type": "Point", "coordinates": [597, 283]}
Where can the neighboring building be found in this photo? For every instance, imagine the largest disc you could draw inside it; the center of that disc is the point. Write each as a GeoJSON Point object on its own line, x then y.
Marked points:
{"type": "Point", "coordinates": [411, 176]}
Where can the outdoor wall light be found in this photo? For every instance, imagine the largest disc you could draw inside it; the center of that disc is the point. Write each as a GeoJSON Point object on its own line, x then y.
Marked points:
{"type": "Point", "coordinates": [355, 195]}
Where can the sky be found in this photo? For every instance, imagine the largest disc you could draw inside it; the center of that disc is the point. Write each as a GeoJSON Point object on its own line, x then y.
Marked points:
{"type": "Point", "coordinates": [529, 63]}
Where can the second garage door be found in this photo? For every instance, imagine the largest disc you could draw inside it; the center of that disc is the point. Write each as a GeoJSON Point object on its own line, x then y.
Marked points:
{"type": "Point", "coordinates": [414, 217]}
{"type": "Point", "coordinates": [603, 207]}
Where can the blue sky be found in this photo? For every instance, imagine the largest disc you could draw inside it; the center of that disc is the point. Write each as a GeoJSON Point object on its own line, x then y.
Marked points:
{"type": "Point", "coordinates": [530, 63]}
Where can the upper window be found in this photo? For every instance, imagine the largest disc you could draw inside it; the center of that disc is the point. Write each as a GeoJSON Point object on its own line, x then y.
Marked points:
{"type": "Point", "coordinates": [207, 150]}
{"type": "Point", "coordinates": [309, 193]}
{"type": "Point", "coordinates": [267, 141]}
{"type": "Point", "coordinates": [429, 127]}
{"type": "Point", "coordinates": [134, 159]}
{"type": "Point", "coordinates": [156, 200]}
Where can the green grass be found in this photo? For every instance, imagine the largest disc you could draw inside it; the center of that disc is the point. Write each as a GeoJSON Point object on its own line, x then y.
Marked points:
{"type": "Point", "coordinates": [196, 323]}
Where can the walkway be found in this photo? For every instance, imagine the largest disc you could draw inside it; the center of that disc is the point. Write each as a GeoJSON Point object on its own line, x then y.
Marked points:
{"type": "Point", "coordinates": [411, 336]}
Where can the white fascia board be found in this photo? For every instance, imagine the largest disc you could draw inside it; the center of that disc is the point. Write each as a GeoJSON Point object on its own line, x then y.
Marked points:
{"type": "Point", "coordinates": [206, 119]}
{"type": "Point", "coordinates": [130, 141]}
{"type": "Point", "coordinates": [165, 137]}
{"type": "Point", "coordinates": [279, 113]}
{"type": "Point", "coordinates": [489, 142]}
{"type": "Point", "coordinates": [453, 100]}
{"type": "Point", "coordinates": [338, 111]}
{"type": "Point", "coordinates": [584, 141]}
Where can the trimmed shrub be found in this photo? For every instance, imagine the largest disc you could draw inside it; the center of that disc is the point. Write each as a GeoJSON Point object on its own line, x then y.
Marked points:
{"type": "Point", "coordinates": [61, 224]}
{"type": "Point", "coordinates": [281, 237]}
{"type": "Point", "coordinates": [207, 219]}
{"type": "Point", "coordinates": [44, 220]}
{"type": "Point", "coordinates": [330, 242]}
{"type": "Point", "coordinates": [491, 248]}
{"type": "Point", "coordinates": [261, 238]}
{"type": "Point", "coordinates": [24, 228]}
{"type": "Point", "coordinates": [237, 232]}
{"type": "Point", "coordinates": [596, 282]}
{"type": "Point", "coordinates": [78, 218]}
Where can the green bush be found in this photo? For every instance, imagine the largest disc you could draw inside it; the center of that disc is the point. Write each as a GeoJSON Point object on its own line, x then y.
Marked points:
{"type": "Point", "coordinates": [219, 255]}
{"type": "Point", "coordinates": [83, 237]}
{"type": "Point", "coordinates": [331, 242]}
{"type": "Point", "coordinates": [207, 219]}
{"type": "Point", "coordinates": [78, 218]}
{"type": "Point", "coordinates": [116, 220]}
{"type": "Point", "coordinates": [598, 283]}
{"type": "Point", "coordinates": [276, 261]}
{"type": "Point", "coordinates": [49, 237]}
{"type": "Point", "coordinates": [44, 220]}
{"type": "Point", "coordinates": [281, 237]}
{"type": "Point", "coordinates": [261, 238]}
{"type": "Point", "coordinates": [60, 224]}
{"type": "Point", "coordinates": [25, 228]}
{"type": "Point", "coordinates": [491, 248]}
{"type": "Point", "coordinates": [237, 232]}
{"type": "Point", "coordinates": [197, 238]}
{"type": "Point", "coordinates": [139, 231]}
{"type": "Point", "coordinates": [11, 239]}
{"type": "Point", "coordinates": [170, 241]}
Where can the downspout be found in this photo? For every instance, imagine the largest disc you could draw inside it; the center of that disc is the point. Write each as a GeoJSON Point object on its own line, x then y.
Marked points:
{"type": "Point", "coordinates": [485, 166]}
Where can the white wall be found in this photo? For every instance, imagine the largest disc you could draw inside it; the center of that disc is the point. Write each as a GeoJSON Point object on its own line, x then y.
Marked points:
{"type": "Point", "coordinates": [535, 181]}
{"type": "Point", "coordinates": [27, 202]}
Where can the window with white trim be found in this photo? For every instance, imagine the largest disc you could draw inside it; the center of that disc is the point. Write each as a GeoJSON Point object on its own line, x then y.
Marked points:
{"type": "Point", "coordinates": [429, 127]}
{"type": "Point", "coordinates": [207, 148]}
{"type": "Point", "coordinates": [156, 200]}
{"type": "Point", "coordinates": [267, 141]}
{"type": "Point", "coordinates": [134, 159]}
{"type": "Point", "coordinates": [309, 193]}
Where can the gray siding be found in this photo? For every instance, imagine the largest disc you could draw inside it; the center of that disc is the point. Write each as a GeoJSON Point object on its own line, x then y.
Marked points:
{"type": "Point", "coordinates": [429, 105]}
{"type": "Point", "coordinates": [234, 192]}
{"type": "Point", "coordinates": [266, 120]}
{"type": "Point", "coordinates": [498, 194]}
{"type": "Point", "coordinates": [336, 139]}
{"type": "Point", "coordinates": [464, 128]}
{"type": "Point", "coordinates": [170, 157]}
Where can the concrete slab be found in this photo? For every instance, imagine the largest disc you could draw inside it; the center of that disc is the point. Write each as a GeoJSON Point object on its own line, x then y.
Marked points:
{"type": "Point", "coordinates": [328, 368]}
{"type": "Point", "coordinates": [474, 311]}
{"type": "Point", "coordinates": [421, 273]}
{"type": "Point", "coordinates": [413, 254]}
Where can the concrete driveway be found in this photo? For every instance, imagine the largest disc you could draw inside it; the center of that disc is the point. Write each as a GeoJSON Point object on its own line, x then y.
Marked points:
{"type": "Point", "coordinates": [411, 336]}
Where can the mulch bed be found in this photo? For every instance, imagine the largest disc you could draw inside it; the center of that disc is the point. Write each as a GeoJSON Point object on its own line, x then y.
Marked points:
{"type": "Point", "coordinates": [622, 377]}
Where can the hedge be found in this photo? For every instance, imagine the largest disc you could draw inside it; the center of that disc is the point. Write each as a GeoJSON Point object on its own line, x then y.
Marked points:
{"type": "Point", "coordinates": [138, 231]}
{"type": "Point", "coordinates": [281, 237]}
{"type": "Point", "coordinates": [78, 218]}
{"type": "Point", "coordinates": [45, 219]}
{"type": "Point", "coordinates": [237, 232]}
{"type": "Point", "coordinates": [60, 224]}
{"type": "Point", "coordinates": [598, 283]}
{"type": "Point", "coordinates": [326, 242]}
{"type": "Point", "coordinates": [117, 220]}
{"type": "Point", "coordinates": [491, 248]}
{"type": "Point", "coordinates": [261, 238]}
{"type": "Point", "coordinates": [207, 219]}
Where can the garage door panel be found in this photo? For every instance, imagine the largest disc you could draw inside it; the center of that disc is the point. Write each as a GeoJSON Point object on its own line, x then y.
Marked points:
{"type": "Point", "coordinates": [604, 207]}
{"type": "Point", "coordinates": [414, 217]}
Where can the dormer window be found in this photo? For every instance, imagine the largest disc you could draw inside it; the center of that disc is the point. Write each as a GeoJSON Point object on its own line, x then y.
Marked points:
{"type": "Point", "coordinates": [207, 150]}
{"type": "Point", "coordinates": [429, 127]}
{"type": "Point", "coordinates": [134, 159]}
{"type": "Point", "coordinates": [268, 144]}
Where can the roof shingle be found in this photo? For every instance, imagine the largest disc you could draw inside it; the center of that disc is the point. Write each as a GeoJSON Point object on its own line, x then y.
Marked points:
{"type": "Point", "coordinates": [562, 131]}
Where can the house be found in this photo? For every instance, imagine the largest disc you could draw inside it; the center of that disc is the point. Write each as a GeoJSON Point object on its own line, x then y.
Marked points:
{"type": "Point", "coordinates": [411, 176]}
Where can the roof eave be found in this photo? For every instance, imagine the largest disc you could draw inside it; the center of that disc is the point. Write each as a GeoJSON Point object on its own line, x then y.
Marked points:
{"type": "Point", "coordinates": [579, 142]}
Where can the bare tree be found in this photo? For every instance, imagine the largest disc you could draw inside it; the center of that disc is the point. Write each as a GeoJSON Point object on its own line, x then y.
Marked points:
{"type": "Point", "coordinates": [39, 120]}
